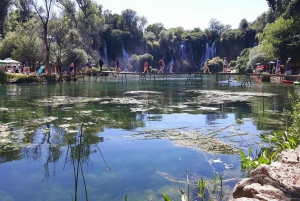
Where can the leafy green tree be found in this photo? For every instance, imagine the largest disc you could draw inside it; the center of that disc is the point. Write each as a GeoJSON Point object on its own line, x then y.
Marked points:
{"type": "Point", "coordinates": [29, 47]}
{"type": "Point", "coordinates": [137, 61]}
{"type": "Point", "coordinates": [43, 14]}
{"type": "Point", "coordinates": [262, 21]}
{"type": "Point", "coordinates": [155, 28]}
{"type": "Point", "coordinates": [90, 23]}
{"type": "Point", "coordinates": [4, 6]}
{"type": "Point", "coordinates": [242, 60]}
{"type": "Point", "coordinates": [281, 39]}
{"type": "Point", "coordinates": [76, 56]}
{"type": "Point", "coordinates": [257, 55]}
{"type": "Point", "coordinates": [243, 24]}
{"type": "Point", "coordinates": [7, 45]}
{"type": "Point", "coordinates": [197, 38]}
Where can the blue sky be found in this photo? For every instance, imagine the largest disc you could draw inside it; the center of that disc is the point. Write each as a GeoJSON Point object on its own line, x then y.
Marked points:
{"type": "Point", "coordinates": [190, 13]}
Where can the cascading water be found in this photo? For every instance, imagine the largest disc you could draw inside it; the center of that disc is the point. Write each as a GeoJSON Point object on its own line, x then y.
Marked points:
{"type": "Point", "coordinates": [210, 52]}
{"type": "Point", "coordinates": [105, 54]}
{"type": "Point", "coordinates": [182, 50]}
{"type": "Point", "coordinates": [196, 67]}
{"type": "Point", "coordinates": [126, 57]}
{"type": "Point", "coordinates": [168, 65]}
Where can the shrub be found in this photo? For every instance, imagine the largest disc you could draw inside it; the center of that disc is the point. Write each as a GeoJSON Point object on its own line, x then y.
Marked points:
{"type": "Point", "coordinates": [22, 78]}
{"type": "Point", "coordinates": [3, 77]}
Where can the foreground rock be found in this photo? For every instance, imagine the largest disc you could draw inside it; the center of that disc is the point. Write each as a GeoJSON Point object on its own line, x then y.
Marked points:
{"type": "Point", "coordinates": [278, 181]}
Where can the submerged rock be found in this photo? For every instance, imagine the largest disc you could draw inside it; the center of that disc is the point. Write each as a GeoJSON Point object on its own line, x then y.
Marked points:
{"type": "Point", "coordinates": [278, 181]}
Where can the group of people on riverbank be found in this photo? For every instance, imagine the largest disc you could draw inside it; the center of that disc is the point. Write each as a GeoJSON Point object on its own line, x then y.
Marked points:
{"type": "Point", "coordinates": [279, 68]}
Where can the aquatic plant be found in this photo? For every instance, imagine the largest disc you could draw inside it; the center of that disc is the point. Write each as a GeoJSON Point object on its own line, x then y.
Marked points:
{"type": "Point", "coordinates": [249, 162]}
{"type": "Point", "coordinates": [278, 140]}
{"type": "Point", "coordinates": [78, 152]}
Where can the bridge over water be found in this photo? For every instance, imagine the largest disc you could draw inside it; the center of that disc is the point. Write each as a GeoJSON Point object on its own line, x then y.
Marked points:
{"type": "Point", "coordinates": [191, 77]}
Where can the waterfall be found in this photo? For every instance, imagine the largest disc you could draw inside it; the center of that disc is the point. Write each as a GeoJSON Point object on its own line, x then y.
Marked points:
{"type": "Point", "coordinates": [168, 65]}
{"type": "Point", "coordinates": [126, 57]}
{"type": "Point", "coordinates": [196, 67]}
{"type": "Point", "coordinates": [210, 52]}
{"type": "Point", "coordinates": [105, 54]}
{"type": "Point", "coordinates": [182, 50]}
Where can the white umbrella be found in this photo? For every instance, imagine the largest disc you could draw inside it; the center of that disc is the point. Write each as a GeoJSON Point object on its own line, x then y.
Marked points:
{"type": "Point", "coordinates": [11, 61]}
{"type": "Point", "coordinates": [3, 62]}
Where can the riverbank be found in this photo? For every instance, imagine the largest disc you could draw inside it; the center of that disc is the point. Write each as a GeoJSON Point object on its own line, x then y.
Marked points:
{"type": "Point", "coordinates": [277, 181]}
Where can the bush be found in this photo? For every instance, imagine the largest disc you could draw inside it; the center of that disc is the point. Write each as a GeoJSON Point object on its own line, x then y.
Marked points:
{"type": "Point", "coordinates": [215, 65]}
{"type": "Point", "coordinates": [76, 56]}
{"type": "Point", "coordinates": [22, 78]}
{"type": "Point", "coordinates": [3, 77]}
{"type": "Point", "coordinates": [137, 61]}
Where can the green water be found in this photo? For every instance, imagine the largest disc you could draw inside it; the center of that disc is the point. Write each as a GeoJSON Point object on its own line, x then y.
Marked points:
{"type": "Point", "coordinates": [149, 136]}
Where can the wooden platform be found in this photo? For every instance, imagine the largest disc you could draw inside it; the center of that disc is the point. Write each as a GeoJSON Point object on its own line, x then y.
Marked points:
{"type": "Point", "coordinates": [192, 77]}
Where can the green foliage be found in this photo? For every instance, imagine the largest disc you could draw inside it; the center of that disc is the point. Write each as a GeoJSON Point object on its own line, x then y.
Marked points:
{"type": "Point", "coordinates": [249, 162]}
{"type": "Point", "coordinates": [137, 61]}
{"type": "Point", "coordinates": [257, 55]}
{"type": "Point", "coordinates": [76, 56]}
{"type": "Point", "coordinates": [7, 45]}
{"type": "Point", "coordinates": [278, 141]}
{"type": "Point", "coordinates": [3, 77]}
{"type": "Point", "coordinates": [233, 42]}
{"type": "Point", "coordinates": [155, 28]}
{"type": "Point", "coordinates": [216, 65]}
{"type": "Point", "coordinates": [281, 39]}
{"type": "Point", "coordinates": [201, 186]}
{"type": "Point", "coordinates": [243, 24]}
{"type": "Point", "coordinates": [242, 60]}
{"type": "Point", "coordinates": [262, 21]}
{"type": "Point", "coordinates": [232, 63]}
{"type": "Point", "coordinates": [166, 198]}
{"type": "Point", "coordinates": [22, 78]}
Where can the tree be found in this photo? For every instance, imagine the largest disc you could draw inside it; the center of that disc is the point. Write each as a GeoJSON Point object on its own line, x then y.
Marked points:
{"type": "Point", "coordinates": [155, 28]}
{"type": "Point", "coordinates": [257, 55]}
{"type": "Point", "coordinates": [281, 39]}
{"type": "Point", "coordinates": [216, 25]}
{"type": "Point", "coordinates": [4, 5]}
{"type": "Point", "coordinates": [44, 16]}
{"type": "Point", "coordinates": [243, 24]}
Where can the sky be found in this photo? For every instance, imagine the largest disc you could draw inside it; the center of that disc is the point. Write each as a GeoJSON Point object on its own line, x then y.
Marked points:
{"type": "Point", "coordinates": [190, 14]}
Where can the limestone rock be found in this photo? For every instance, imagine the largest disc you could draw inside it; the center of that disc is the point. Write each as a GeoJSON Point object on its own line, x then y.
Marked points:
{"type": "Point", "coordinates": [278, 181]}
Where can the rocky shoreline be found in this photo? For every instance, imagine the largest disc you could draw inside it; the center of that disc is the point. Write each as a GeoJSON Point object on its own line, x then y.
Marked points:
{"type": "Point", "coordinates": [277, 181]}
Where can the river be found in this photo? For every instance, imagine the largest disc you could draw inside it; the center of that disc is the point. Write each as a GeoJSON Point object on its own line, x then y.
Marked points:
{"type": "Point", "coordinates": [131, 141]}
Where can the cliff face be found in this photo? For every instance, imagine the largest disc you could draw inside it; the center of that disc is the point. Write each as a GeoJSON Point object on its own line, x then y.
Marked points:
{"type": "Point", "coordinates": [278, 181]}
